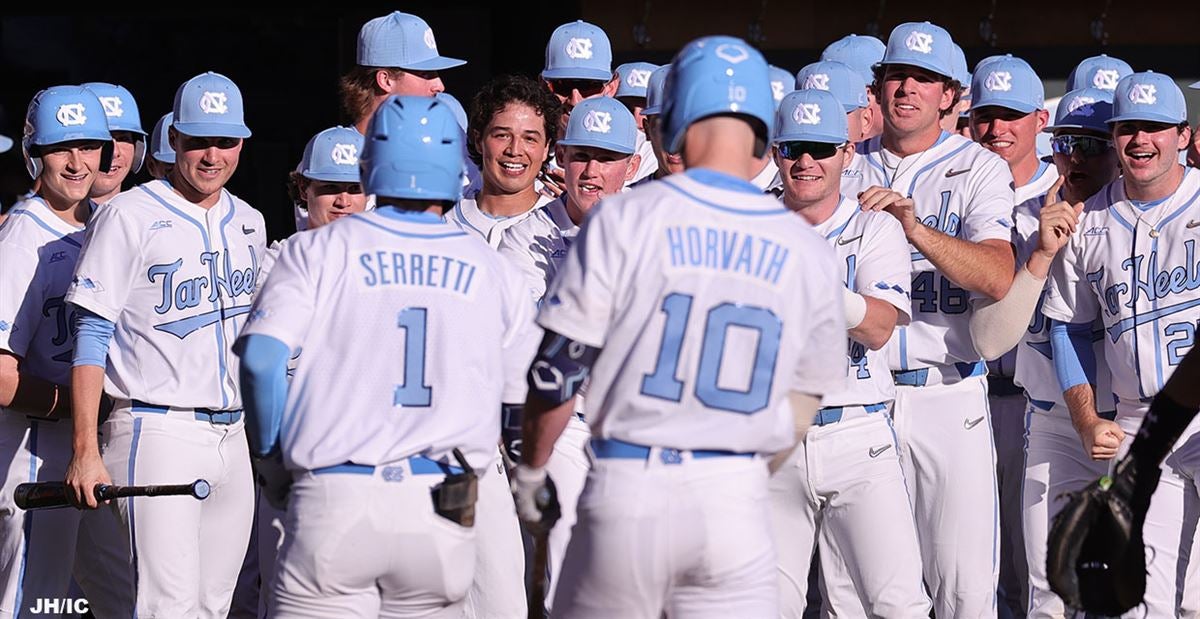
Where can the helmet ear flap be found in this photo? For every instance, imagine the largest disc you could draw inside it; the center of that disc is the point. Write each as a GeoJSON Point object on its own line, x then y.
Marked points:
{"type": "Point", "coordinates": [139, 155]}
{"type": "Point", "coordinates": [106, 157]}
{"type": "Point", "coordinates": [33, 160]}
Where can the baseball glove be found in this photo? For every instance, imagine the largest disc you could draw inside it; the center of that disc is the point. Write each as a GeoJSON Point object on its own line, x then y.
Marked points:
{"type": "Point", "coordinates": [1096, 560]}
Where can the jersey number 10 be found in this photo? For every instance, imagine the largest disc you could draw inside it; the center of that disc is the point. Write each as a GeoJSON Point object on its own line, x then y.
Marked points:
{"type": "Point", "coordinates": [662, 382]}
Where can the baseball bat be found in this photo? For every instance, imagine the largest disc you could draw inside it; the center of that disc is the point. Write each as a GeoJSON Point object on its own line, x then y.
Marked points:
{"type": "Point", "coordinates": [53, 494]}
{"type": "Point", "coordinates": [537, 578]}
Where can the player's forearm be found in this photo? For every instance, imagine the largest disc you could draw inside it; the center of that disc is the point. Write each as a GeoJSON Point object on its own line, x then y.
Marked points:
{"type": "Point", "coordinates": [541, 425]}
{"type": "Point", "coordinates": [877, 326]}
{"type": "Point", "coordinates": [1081, 402]}
{"type": "Point", "coordinates": [87, 386]}
{"type": "Point", "coordinates": [983, 267]}
{"type": "Point", "coordinates": [30, 395]}
{"type": "Point", "coordinates": [996, 327]}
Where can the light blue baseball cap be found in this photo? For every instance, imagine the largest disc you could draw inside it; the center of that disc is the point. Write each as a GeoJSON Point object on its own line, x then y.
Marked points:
{"type": "Point", "coordinates": [602, 122]}
{"type": "Point", "coordinates": [119, 106]}
{"type": "Point", "coordinates": [966, 96]}
{"type": "Point", "coordinates": [6, 143]}
{"type": "Point", "coordinates": [1085, 108]}
{"type": "Point", "coordinates": [654, 91]}
{"type": "Point", "coordinates": [842, 81]}
{"type": "Point", "coordinates": [635, 78]}
{"type": "Point", "coordinates": [992, 58]}
{"type": "Point", "coordinates": [1148, 96]}
{"type": "Point", "coordinates": [160, 142]}
{"type": "Point", "coordinates": [781, 82]}
{"type": "Point", "coordinates": [578, 50]}
{"type": "Point", "coordinates": [456, 108]}
{"type": "Point", "coordinates": [209, 106]}
{"type": "Point", "coordinates": [860, 52]}
{"type": "Point", "coordinates": [1009, 83]}
{"type": "Point", "coordinates": [962, 74]}
{"type": "Point", "coordinates": [402, 41]}
{"type": "Point", "coordinates": [1101, 72]}
{"type": "Point", "coordinates": [811, 115]}
{"type": "Point", "coordinates": [332, 156]}
{"type": "Point", "coordinates": [921, 44]}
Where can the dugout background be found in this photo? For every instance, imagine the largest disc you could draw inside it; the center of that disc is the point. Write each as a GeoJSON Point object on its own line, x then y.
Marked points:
{"type": "Point", "coordinates": [288, 65]}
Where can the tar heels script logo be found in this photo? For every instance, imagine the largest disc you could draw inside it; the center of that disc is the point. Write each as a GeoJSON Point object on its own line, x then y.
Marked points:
{"type": "Point", "coordinates": [214, 103]}
{"type": "Point", "coordinates": [597, 122]}
{"type": "Point", "coordinates": [807, 114]}
{"type": "Point", "coordinates": [579, 48]}
{"type": "Point", "coordinates": [920, 42]}
{"type": "Point", "coordinates": [998, 81]}
{"type": "Point", "coordinates": [112, 107]}
{"type": "Point", "coordinates": [1143, 94]}
{"type": "Point", "coordinates": [344, 154]}
{"type": "Point", "coordinates": [71, 115]}
{"type": "Point", "coordinates": [183, 294]}
{"type": "Point", "coordinates": [1153, 283]}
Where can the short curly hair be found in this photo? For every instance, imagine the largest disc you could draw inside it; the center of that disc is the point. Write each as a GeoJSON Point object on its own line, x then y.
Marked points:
{"type": "Point", "coordinates": [501, 91]}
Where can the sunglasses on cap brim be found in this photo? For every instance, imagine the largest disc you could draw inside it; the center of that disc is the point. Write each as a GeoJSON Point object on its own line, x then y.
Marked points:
{"type": "Point", "coordinates": [586, 88]}
{"type": "Point", "coordinates": [1086, 145]}
{"type": "Point", "coordinates": [816, 150]}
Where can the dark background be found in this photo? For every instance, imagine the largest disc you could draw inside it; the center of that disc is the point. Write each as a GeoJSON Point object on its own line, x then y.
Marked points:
{"type": "Point", "coordinates": [288, 65]}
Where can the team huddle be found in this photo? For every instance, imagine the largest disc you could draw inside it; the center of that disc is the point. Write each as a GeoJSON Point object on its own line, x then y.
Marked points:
{"type": "Point", "coordinates": [685, 341]}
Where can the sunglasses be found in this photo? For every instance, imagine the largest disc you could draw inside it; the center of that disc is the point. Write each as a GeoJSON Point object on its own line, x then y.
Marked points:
{"type": "Point", "coordinates": [1086, 145]}
{"type": "Point", "coordinates": [816, 150]}
{"type": "Point", "coordinates": [586, 88]}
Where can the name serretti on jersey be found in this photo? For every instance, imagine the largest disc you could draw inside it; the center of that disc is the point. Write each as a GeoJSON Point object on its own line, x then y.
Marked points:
{"type": "Point", "coordinates": [407, 269]}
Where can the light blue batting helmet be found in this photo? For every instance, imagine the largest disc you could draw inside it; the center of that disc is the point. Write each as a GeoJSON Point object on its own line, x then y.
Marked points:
{"type": "Point", "coordinates": [717, 75]}
{"type": "Point", "coordinates": [64, 114]}
{"type": "Point", "coordinates": [122, 111]}
{"type": "Point", "coordinates": [160, 142]}
{"type": "Point", "coordinates": [413, 150]}
{"type": "Point", "coordinates": [654, 91]}
{"type": "Point", "coordinates": [1085, 108]}
{"type": "Point", "coordinates": [332, 156]}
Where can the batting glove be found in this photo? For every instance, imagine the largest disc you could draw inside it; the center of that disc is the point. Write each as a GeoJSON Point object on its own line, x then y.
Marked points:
{"type": "Point", "coordinates": [536, 497]}
{"type": "Point", "coordinates": [273, 478]}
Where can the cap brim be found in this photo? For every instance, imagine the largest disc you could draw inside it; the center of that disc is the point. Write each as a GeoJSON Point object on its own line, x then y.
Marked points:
{"type": "Point", "coordinates": [332, 178]}
{"type": "Point", "coordinates": [601, 144]}
{"type": "Point", "coordinates": [164, 157]}
{"type": "Point", "coordinates": [652, 110]}
{"type": "Point", "coordinates": [1053, 128]}
{"type": "Point", "coordinates": [1023, 107]}
{"type": "Point", "coordinates": [577, 73]}
{"type": "Point", "coordinates": [850, 107]}
{"type": "Point", "coordinates": [437, 63]}
{"type": "Point", "coordinates": [1195, 86]}
{"type": "Point", "coordinates": [212, 130]}
{"type": "Point", "coordinates": [632, 92]}
{"type": "Point", "coordinates": [822, 138]}
{"type": "Point", "coordinates": [917, 62]}
{"type": "Point", "coordinates": [1146, 116]}
{"type": "Point", "coordinates": [6, 143]}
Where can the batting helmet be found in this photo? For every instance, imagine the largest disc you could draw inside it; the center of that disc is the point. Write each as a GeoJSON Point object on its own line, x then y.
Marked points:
{"type": "Point", "coordinates": [64, 114]}
{"type": "Point", "coordinates": [413, 150]}
{"type": "Point", "coordinates": [717, 75]}
{"type": "Point", "coordinates": [654, 91]}
{"type": "Point", "coordinates": [159, 139]}
{"type": "Point", "coordinates": [122, 112]}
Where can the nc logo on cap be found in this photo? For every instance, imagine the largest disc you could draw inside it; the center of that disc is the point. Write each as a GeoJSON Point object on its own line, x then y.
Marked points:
{"type": "Point", "coordinates": [579, 49]}
{"type": "Point", "coordinates": [214, 103]}
{"type": "Point", "coordinates": [777, 90]}
{"type": "Point", "coordinates": [731, 53]}
{"type": "Point", "coordinates": [1106, 79]}
{"type": "Point", "coordinates": [344, 154]}
{"type": "Point", "coordinates": [998, 81]}
{"type": "Point", "coordinates": [1081, 106]}
{"type": "Point", "coordinates": [807, 114]}
{"type": "Point", "coordinates": [112, 107]}
{"type": "Point", "coordinates": [638, 78]}
{"type": "Point", "coordinates": [921, 42]}
{"type": "Point", "coordinates": [1143, 94]}
{"type": "Point", "coordinates": [597, 121]}
{"type": "Point", "coordinates": [71, 115]}
{"type": "Point", "coordinates": [429, 42]}
{"type": "Point", "coordinates": [819, 81]}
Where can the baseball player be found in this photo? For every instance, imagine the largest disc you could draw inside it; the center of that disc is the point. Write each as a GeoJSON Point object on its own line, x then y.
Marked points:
{"type": "Point", "coordinates": [843, 487]}
{"type": "Point", "coordinates": [66, 145]}
{"type": "Point", "coordinates": [512, 130]}
{"type": "Point", "coordinates": [861, 53]}
{"type": "Point", "coordinates": [397, 55]}
{"type": "Point", "coordinates": [1100, 72]}
{"type": "Point", "coordinates": [129, 140]}
{"type": "Point", "coordinates": [364, 480]}
{"type": "Point", "coordinates": [635, 80]}
{"type": "Point", "coordinates": [161, 156]}
{"type": "Point", "coordinates": [1131, 266]}
{"type": "Point", "coordinates": [845, 84]}
{"type": "Point", "coordinates": [1007, 113]}
{"type": "Point", "coordinates": [598, 152]}
{"type": "Point", "coordinates": [166, 275]}
{"type": "Point", "coordinates": [668, 163]}
{"type": "Point", "coordinates": [962, 75]}
{"type": "Point", "coordinates": [954, 200]}
{"type": "Point", "coordinates": [685, 400]}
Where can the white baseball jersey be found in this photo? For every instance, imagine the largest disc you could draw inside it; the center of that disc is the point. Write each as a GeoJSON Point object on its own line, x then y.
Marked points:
{"type": "Point", "coordinates": [767, 178]}
{"type": "Point", "coordinates": [873, 261]}
{"type": "Point", "coordinates": [538, 245]}
{"type": "Point", "coordinates": [430, 329]}
{"type": "Point", "coordinates": [854, 176]}
{"type": "Point", "coordinates": [711, 302]}
{"type": "Point", "coordinates": [1139, 271]}
{"type": "Point", "coordinates": [38, 251]}
{"type": "Point", "coordinates": [649, 164]}
{"type": "Point", "coordinates": [270, 257]}
{"type": "Point", "coordinates": [177, 280]}
{"type": "Point", "coordinates": [964, 191]}
{"type": "Point", "coordinates": [466, 215]}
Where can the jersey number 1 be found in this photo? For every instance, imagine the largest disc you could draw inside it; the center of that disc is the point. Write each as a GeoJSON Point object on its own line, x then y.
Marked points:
{"type": "Point", "coordinates": [662, 383]}
{"type": "Point", "coordinates": [413, 391]}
